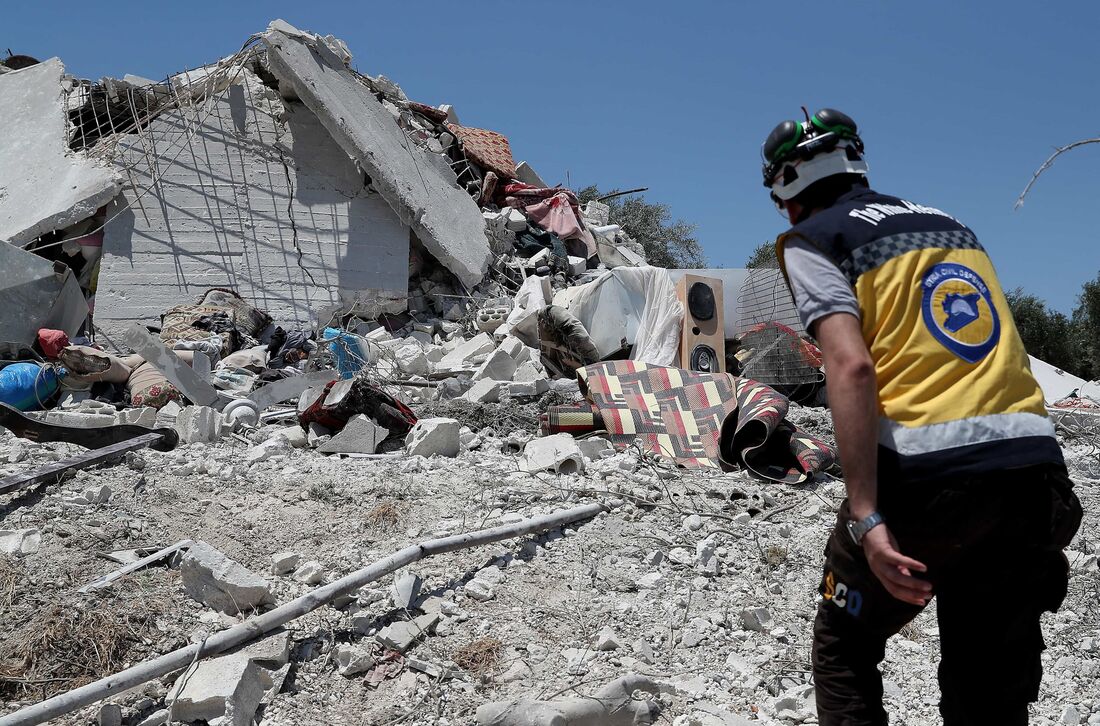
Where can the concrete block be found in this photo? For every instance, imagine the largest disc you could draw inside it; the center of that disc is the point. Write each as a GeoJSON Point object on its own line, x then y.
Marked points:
{"type": "Point", "coordinates": [410, 359]}
{"type": "Point", "coordinates": [469, 353]}
{"type": "Point", "coordinates": [228, 688]}
{"type": "Point", "coordinates": [198, 424]}
{"type": "Point", "coordinates": [317, 434]}
{"type": "Point", "coordinates": [577, 265]}
{"type": "Point", "coordinates": [433, 436]}
{"type": "Point", "coordinates": [499, 366]}
{"type": "Point", "coordinates": [491, 317]}
{"type": "Point", "coordinates": [401, 635]}
{"type": "Point", "coordinates": [271, 651]}
{"type": "Point", "coordinates": [595, 447]}
{"type": "Point", "coordinates": [418, 185]}
{"type": "Point", "coordinates": [405, 589]}
{"type": "Point", "coordinates": [528, 372]}
{"type": "Point", "coordinates": [484, 391]}
{"type": "Point", "coordinates": [20, 542]}
{"type": "Point", "coordinates": [283, 563]}
{"type": "Point", "coordinates": [273, 446]}
{"type": "Point", "coordinates": [294, 435]}
{"type": "Point", "coordinates": [527, 175]}
{"type": "Point", "coordinates": [46, 187]}
{"type": "Point", "coordinates": [142, 416]}
{"type": "Point", "coordinates": [220, 583]}
{"type": "Point", "coordinates": [351, 660]}
{"type": "Point", "coordinates": [528, 389]}
{"type": "Point", "coordinates": [80, 419]}
{"type": "Point", "coordinates": [515, 219]}
{"type": "Point", "coordinates": [512, 346]}
{"type": "Point", "coordinates": [360, 435]}
{"type": "Point", "coordinates": [310, 572]}
{"type": "Point", "coordinates": [758, 619]}
{"type": "Point", "coordinates": [558, 454]}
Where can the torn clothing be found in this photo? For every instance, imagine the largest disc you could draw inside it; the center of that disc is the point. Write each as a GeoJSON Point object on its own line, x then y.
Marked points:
{"type": "Point", "coordinates": [955, 389]}
{"type": "Point", "coordinates": [992, 545]}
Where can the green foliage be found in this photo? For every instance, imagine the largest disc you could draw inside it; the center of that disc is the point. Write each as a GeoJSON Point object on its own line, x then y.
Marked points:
{"type": "Point", "coordinates": [667, 242]}
{"type": "Point", "coordinates": [1086, 329]}
{"type": "Point", "coordinates": [763, 256]}
{"type": "Point", "coordinates": [1046, 333]}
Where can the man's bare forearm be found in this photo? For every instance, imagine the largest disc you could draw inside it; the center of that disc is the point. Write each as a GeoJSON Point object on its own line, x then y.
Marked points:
{"type": "Point", "coordinates": [853, 400]}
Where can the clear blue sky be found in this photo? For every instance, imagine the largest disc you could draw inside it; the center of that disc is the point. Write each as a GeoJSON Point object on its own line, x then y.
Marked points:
{"type": "Point", "coordinates": [958, 102]}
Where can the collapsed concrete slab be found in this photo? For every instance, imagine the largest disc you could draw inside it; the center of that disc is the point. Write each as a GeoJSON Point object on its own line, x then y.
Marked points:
{"type": "Point", "coordinates": [247, 192]}
{"type": "Point", "coordinates": [43, 185]}
{"type": "Point", "coordinates": [36, 293]}
{"type": "Point", "coordinates": [417, 184]}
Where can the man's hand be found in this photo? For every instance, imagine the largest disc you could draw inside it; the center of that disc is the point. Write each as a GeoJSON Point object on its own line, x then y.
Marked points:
{"type": "Point", "coordinates": [893, 569]}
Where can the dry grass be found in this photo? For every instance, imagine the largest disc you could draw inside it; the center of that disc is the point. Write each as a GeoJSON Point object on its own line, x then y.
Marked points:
{"type": "Point", "coordinates": [479, 657]}
{"type": "Point", "coordinates": [384, 517]}
{"type": "Point", "coordinates": [774, 555]}
{"type": "Point", "coordinates": [10, 575]}
{"type": "Point", "coordinates": [64, 646]}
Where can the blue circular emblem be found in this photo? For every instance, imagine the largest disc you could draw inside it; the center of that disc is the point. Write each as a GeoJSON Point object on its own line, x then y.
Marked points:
{"type": "Point", "coordinates": [958, 310]}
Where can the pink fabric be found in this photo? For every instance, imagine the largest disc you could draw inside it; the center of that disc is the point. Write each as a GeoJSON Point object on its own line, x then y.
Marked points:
{"type": "Point", "coordinates": [556, 215]}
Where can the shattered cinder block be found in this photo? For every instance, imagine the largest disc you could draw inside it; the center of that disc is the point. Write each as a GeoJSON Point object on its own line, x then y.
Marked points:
{"type": "Point", "coordinates": [228, 688]}
{"type": "Point", "coordinates": [499, 366]}
{"type": "Point", "coordinates": [220, 583]}
{"type": "Point", "coordinates": [484, 391]}
{"type": "Point", "coordinates": [558, 454]}
{"type": "Point", "coordinates": [432, 436]}
{"type": "Point", "coordinates": [401, 635]}
{"type": "Point", "coordinates": [360, 435]}
{"type": "Point", "coordinates": [198, 424]}
{"type": "Point", "coordinates": [469, 353]}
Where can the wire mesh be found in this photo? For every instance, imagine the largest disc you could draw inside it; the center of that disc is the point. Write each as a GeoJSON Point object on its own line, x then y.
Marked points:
{"type": "Point", "coordinates": [772, 348]}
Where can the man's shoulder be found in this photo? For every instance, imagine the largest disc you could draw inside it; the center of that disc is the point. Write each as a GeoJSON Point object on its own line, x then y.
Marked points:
{"type": "Point", "coordinates": [869, 214]}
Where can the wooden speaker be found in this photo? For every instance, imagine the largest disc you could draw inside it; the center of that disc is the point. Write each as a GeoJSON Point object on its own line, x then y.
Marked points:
{"type": "Point", "coordinates": [703, 336]}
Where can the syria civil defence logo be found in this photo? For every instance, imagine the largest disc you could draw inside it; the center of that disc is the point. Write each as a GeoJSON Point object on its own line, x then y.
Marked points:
{"type": "Point", "coordinates": [958, 311]}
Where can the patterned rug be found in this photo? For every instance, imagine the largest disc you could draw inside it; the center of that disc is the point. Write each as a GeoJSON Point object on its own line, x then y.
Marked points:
{"type": "Point", "coordinates": [695, 419]}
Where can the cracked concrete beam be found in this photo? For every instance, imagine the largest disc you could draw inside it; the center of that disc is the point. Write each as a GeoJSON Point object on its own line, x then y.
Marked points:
{"type": "Point", "coordinates": [418, 185]}
{"type": "Point", "coordinates": [43, 185]}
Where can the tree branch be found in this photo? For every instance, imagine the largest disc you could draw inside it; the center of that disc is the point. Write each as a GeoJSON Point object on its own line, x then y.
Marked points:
{"type": "Point", "coordinates": [1047, 164]}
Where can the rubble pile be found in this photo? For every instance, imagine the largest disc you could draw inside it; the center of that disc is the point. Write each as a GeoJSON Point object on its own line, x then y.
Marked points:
{"type": "Point", "coordinates": [281, 324]}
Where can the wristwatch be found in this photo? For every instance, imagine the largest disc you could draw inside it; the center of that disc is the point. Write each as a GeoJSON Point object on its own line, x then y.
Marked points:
{"type": "Point", "coordinates": [858, 528]}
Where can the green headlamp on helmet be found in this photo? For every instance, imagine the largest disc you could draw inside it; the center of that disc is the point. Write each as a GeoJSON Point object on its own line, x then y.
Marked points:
{"type": "Point", "coordinates": [792, 143]}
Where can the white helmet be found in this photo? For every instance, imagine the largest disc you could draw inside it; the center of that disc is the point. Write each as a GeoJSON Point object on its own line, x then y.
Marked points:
{"type": "Point", "coordinates": [797, 154]}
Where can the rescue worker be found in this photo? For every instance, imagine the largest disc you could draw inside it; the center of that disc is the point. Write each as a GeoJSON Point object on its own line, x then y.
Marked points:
{"type": "Point", "coordinates": [956, 485]}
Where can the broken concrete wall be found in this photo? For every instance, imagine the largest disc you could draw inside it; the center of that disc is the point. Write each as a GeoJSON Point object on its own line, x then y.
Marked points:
{"type": "Point", "coordinates": [419, 185]}
{"type": "Point", "coordinates": [43, 185]}
{"type": "Point", "coordinates": [251, 193]}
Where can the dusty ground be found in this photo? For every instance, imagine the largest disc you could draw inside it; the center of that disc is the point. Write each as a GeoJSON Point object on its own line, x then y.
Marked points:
{"type": "Point", "coordinates": [535, 636]}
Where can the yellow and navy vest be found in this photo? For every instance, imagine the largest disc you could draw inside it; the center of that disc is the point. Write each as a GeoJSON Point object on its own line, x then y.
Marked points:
{"type": "Point", "coordinates": [955, 389]}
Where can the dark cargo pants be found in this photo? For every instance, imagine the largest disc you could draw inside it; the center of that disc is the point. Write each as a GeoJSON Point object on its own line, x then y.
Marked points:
{"type": "Point", "coordinates": [993, 548]}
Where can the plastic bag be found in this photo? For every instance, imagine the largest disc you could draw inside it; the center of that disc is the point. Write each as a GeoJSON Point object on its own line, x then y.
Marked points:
{"type": "Point", "coordinates": [28, 386]}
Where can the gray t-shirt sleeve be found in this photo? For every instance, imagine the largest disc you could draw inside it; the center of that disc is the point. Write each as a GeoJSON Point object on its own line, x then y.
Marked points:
{"type": "Point", "coordinates": [818, 285]}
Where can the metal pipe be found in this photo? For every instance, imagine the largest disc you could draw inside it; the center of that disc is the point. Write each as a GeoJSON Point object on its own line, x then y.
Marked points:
{"type": "Point", "coordinates": [179, 659]}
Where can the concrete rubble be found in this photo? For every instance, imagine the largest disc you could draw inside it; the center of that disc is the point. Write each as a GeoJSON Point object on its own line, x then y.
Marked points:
{"type": "Point", "coordinates": [361, 350]}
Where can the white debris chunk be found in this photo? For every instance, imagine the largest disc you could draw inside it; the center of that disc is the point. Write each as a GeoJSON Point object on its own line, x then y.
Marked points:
{"type": "Point", "coordinates": [558, 453]}
{"type": "Point", "coordinates": [20, 541]}
{"type": "Point", "coordinates": [360, 435]}
{"type": "Point", "coordinates": [351, 660]}
{"type": "Point", "coordinates": [228, 689]}
{"type": "Point", "coordinates": [434, 436]}
{"type": "Point", "coordinates": [218, 582]}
